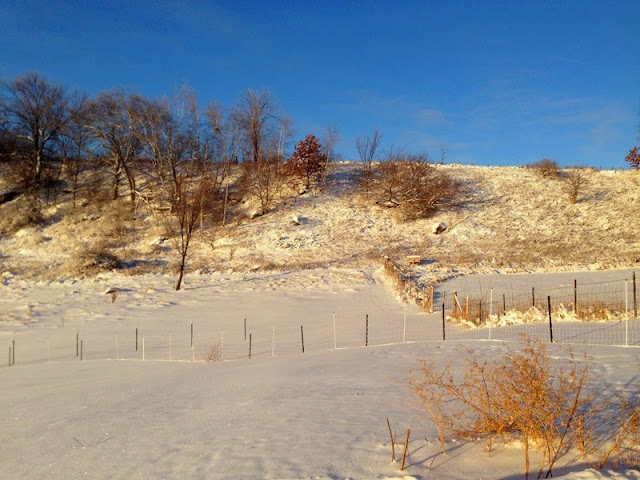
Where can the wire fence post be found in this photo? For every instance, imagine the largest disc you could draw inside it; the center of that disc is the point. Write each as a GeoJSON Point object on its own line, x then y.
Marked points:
{"type": "Point", "coordinates": [335, 340]}
{"type": "Point", "coordinates": [250, 346]}
{"type": "Point", "coordinates": [136, 339]}
{"type": "Point", "coordinates": [404, 324]}
{"type": "Point", "coordinates": [550, 324]}
{"type": "Point", "coordinates": [575, 297]}
{"type": "Point", "coordinates": [431, 295]}
{"type": "Point", "coordinates": [302, 337]}
{"type": "Point", "coordinates": [491, 301]}
{"type": "Point", "coordinates": [443, 331]}
{"type": "Point", "coordinates": [626, 313]}
{"type": "Point", "coordinates": [192, 334]}
{"type": "Point", "coordinates": [533, 296]}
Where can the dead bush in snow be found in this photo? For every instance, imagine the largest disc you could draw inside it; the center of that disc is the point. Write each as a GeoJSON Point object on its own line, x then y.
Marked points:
{"type": "Point", "coordinates": [95, 259]}
{"type": "Point", "coordinates": [412, 185]}
{"type": "Point", "coordinates": [212, 353]}
{"type": "Point", "coordinates": [521, 395]}
{"type": "Point", "coordinates": [546, 168]}
{"type": "Point", "coordinates": [575, 183]}
{"type": "Point", "coordinates": [20, 213]}
{"type": "Point", "coordinates": [264, 181]}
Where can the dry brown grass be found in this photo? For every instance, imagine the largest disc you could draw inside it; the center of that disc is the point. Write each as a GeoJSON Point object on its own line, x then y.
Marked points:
{"type": "Point", "coordinates": [520, 395]}
{"type": "Point", "coordinates": [549, 407]}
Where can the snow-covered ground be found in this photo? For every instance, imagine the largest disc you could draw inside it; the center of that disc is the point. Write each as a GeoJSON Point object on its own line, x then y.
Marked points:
{"type": "Point", "coordinates": [321, 414]}
{"type": "Point", "coordinates": [150, 406]}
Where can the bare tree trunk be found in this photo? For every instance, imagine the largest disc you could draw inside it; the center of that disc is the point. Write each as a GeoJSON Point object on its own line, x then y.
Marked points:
{"type": "Point", "coordinates": [183, 261]}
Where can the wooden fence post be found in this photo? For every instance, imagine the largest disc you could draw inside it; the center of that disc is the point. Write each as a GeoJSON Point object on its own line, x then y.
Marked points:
{"type": "Point", "coordinates": [550, 323]}
{"type": "Point", "coordinates": [431, 299]}
{"type": "Point", "coordinates": [366, 334]}
{"type": "Point", "coordinates": [533, 296]}
{"type": "Point", "coordinates": [453, 305]}
{"type": "Point", "coordinates": [406, 447]}
{"type": "Point", "coordinates": [635, 298]}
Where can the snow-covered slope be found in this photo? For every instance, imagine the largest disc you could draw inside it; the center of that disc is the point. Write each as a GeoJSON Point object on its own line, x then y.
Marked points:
{"type": "Point", "coordinates": [507, 219]}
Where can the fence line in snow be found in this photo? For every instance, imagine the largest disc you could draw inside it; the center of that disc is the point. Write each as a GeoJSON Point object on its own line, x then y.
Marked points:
{"type": "Point", "coordinates": [250, 338]}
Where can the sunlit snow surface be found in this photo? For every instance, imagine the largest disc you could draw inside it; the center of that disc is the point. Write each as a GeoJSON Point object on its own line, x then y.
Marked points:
{"type": "Point", "coordinates": [281, 415]}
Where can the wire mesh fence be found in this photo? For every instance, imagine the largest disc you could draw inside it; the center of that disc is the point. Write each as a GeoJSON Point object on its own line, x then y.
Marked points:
{"type": "Point", "coordinates": [603, 313]}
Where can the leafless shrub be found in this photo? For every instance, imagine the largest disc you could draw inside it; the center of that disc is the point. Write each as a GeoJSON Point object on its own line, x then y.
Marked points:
{"type": "Point", "coordinates": [264, 180]}
{"type": "Point", "coordinates": [622, 446]}
{"type": "Point", "coordinates": [575, 183]}
{"type": "Point", "coordinates": [413, 186]}
{"type": "Point", "coordinates": [212, 353]}
{"type": "Point", "coordinates": [93, 260]}
{"type": "Point", "coordinates": [20, 213]}
{"type": "Point", "coordinates": [519, 395]}
{"type": "Point", "coordinates": [546, 168]}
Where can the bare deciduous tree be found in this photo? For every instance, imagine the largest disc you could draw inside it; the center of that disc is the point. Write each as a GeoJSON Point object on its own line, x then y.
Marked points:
{"type": "Point", "coordinates": [264, 132]}
{"type": "Point", "coordinates": [255, 117]}
{"type": "Point", "coordinates": [112, 119]}
{"type": "Point", "coordinates": [368, 151]}
{"type": "Point", "coordinates": [73, 145]}
{"type": "Point", "coordinates": [37, 111]}
{"type": "Point", "coordinates": [191, 161]}
{"type": "Point", "coordinates": [328, 140]}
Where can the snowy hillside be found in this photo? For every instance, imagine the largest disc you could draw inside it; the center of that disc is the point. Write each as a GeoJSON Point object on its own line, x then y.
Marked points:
{"type": "Point", "coordinates": [287, 348]}
{"type": "Point", "coordinates": [506, 219]}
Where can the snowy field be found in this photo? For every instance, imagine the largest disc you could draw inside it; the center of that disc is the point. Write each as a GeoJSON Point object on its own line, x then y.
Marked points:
{"type": "Point", "coordinates": [281, 415]}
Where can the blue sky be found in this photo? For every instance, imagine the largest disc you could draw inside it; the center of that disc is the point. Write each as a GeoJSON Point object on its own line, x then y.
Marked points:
{"type": "Point", "coordinates": [503, 83]}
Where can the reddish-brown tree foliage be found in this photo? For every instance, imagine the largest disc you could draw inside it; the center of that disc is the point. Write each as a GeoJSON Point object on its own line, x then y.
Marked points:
{"type": "Point", "coordinates": [307, 160]}
{"type": "Point", "coordinates": [634, 157]}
